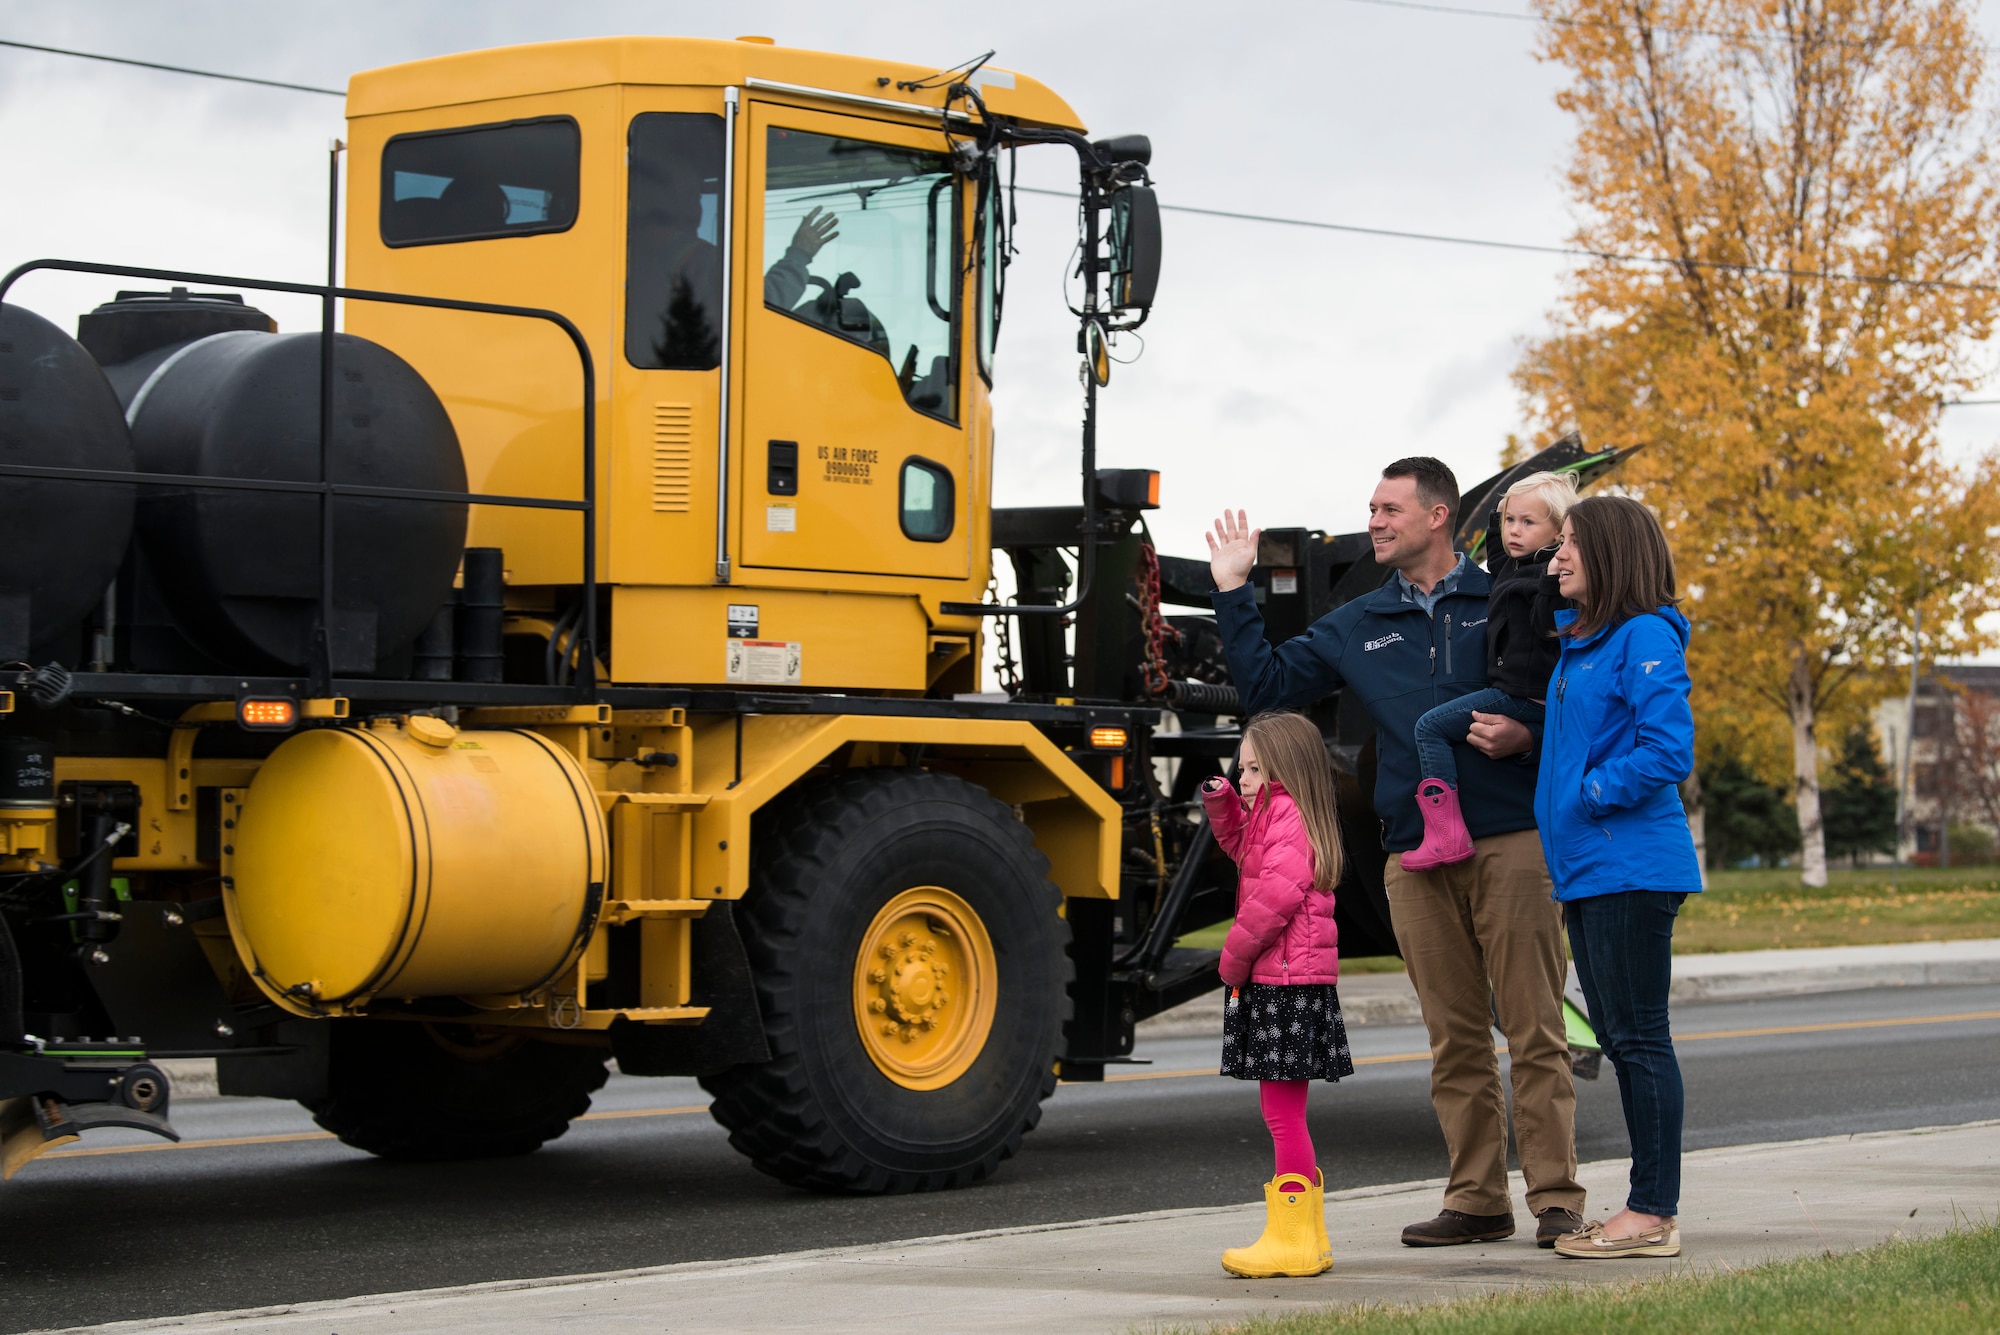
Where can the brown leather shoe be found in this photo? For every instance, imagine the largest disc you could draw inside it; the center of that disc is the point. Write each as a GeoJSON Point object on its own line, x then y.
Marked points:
{"type": "Point", "coordinates": [1555, 1222]}
{"type": "Point", "coordinates": [1453, 1227]}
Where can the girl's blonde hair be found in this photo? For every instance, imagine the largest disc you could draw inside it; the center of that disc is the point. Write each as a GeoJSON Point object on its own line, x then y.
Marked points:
{"type": "Point", "coordinates": [1293, 754]}
{"type": "Point", "coordinates": [1555, 490]}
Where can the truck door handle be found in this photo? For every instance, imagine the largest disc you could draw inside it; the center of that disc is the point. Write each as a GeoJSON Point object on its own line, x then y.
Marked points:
{"type": "Point", "coordinates": [781, 476]}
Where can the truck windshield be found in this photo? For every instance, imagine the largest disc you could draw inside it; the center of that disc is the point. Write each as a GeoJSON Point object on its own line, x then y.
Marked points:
{"type": "Point", "coordinates": [859, 240]}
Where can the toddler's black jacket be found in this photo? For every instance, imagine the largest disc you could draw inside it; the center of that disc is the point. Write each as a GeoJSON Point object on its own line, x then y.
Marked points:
{"type": "Point", "coordinates": [1521, 648]}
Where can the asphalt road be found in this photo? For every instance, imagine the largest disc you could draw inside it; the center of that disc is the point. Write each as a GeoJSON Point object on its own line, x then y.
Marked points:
{"type": "Point", "coordinates": [269, 1212]}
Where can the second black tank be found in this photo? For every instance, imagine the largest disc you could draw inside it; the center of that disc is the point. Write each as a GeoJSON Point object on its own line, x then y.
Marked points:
{"type": "Point", "coordinates": [240, 569]}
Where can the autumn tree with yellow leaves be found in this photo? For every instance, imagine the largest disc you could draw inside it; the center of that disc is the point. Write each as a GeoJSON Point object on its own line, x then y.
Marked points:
{"type": "Point", "coordinates": [1818, 178]}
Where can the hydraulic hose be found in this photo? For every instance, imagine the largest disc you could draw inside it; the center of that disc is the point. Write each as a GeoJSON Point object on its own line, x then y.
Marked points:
{"type": "Point", "coordinates": [1201, 697]}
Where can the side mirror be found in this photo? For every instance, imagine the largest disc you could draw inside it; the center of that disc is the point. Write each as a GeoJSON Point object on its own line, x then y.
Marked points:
{"type": "Point", "coordinates": [1135, 247]}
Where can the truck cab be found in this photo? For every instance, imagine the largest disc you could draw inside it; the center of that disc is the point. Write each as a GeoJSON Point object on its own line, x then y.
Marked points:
{"type": "Point", "coordinates": [792, 288]}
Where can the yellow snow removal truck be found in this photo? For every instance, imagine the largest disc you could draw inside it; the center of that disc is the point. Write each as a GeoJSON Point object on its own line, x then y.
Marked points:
{"type": "Point", "coordinates": [578, 656]}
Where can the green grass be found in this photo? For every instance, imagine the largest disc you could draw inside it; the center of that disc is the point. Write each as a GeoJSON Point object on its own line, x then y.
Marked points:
{"type": "Point", "coordinates": [1937, 1286]}
{"type": "Point", "coordinates": [1767, 908]}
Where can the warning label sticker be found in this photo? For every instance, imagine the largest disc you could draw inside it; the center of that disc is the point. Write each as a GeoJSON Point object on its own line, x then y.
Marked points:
{"type": "Point", "coordinates": [763, 662]}
{"type": "Point", "coordinates": [742, 621]}
{"type": "Point", "coordinates": [781, 519]}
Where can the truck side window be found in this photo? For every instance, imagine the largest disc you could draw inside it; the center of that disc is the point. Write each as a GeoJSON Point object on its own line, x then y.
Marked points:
{"type": "Point", "coordinates": [859, 240]}
{"type": "Point", "coordinates": [991, 242]}
{"type": "Point", "coordinates": [925, 495]}
{"type": "Point", "coordinates": [481, 181]}
{"type": "Point", "coordinates": [673, 266]}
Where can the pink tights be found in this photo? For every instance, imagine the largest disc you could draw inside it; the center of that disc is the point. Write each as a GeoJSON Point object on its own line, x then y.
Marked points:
{"type": "Point", "coordinates": [1284, 1104]}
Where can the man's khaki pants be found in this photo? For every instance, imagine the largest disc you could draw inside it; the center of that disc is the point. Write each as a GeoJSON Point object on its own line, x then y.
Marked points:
{"type": "Point", "coordinates": [1491, 918]}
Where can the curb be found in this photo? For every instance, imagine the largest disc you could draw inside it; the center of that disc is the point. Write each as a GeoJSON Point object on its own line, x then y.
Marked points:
{"type": "Point", "coordinates": [1202, 1017]}
{"type": "Point", "coordinates": [1779, 973]}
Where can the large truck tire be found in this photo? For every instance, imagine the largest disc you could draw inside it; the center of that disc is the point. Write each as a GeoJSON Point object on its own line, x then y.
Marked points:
{"type": "Point", "coordinates": [912, 970]}
{"type": "Point", "coordinates": [431, 1092]}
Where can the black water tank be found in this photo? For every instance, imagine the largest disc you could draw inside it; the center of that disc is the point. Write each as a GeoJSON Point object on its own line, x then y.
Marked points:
{"type": "Point", "coordinates": [137, 323]}
{"type": "Point", "coordinates": [240, 569]}
{"type": "Point", "coordinates": [60, 541]}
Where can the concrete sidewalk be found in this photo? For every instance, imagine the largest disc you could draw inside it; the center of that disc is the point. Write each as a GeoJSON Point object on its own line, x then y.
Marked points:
{"type": "Point", "coordinates": [1387, 998]}
{"type": "Point", "coordinates": [1743, 1205]}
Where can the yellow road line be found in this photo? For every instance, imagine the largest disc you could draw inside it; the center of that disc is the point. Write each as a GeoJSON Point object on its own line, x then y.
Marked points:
{"type": "Point", "coordinates": [151, 1147]}
{"type": "Point", "coordinates": [1837, 1024]}
{"type": "Point", "coordinates": [1383, 1060]}
{"type": "Point", "coordinates": [1829, 1027]}
{"type": "Point", "coordinates": [1210, 1070]}
{"type": "Point", "coordinates": [643, 1112]}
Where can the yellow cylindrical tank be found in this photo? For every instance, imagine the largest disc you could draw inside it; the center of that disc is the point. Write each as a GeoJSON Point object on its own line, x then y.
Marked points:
{"type": "Point", "coordinates": [413, 861]}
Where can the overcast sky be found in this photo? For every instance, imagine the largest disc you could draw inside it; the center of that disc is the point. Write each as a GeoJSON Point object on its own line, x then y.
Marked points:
{"type": "Point", "coordinates": [1282, 367]}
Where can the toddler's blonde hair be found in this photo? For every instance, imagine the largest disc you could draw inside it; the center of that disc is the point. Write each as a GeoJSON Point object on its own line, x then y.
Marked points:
{"type": "Point", "coordinates": [1555, 490]}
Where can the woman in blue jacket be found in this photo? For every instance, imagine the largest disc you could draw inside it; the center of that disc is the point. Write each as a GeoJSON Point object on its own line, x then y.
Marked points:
{"type": "Point", "coordinates": [1618, 740]}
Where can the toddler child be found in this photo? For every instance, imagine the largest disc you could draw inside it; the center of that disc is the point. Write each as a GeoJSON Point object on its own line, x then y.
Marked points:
{"type": "Point", "coordinates": [1521, 652]}
{"type": "Point", "coordinates": [1281, 1025]}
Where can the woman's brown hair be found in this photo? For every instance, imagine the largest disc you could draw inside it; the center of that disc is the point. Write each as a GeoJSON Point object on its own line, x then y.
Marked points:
{"type": "Point", "coordinates": [1293, 755]}
{"type": "Point", "coordinates": [1628, 569]}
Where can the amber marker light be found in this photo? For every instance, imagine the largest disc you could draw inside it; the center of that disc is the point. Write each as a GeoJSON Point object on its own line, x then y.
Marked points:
{"type": "Point", "coordinates": [1107, 739]}
{"type": "Point", "coordinates": [268, 714]}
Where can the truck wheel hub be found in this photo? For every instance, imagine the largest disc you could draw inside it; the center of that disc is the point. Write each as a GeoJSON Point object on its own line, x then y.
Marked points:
{"type": "Point", "coordinates": [924, 988]}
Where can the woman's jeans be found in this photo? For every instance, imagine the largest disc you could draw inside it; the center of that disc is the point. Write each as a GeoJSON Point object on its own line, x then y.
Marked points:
{"type": "Point", "coordinates": [1450, 722]}
{"type": "Point", "coordinates": [1623, 948]}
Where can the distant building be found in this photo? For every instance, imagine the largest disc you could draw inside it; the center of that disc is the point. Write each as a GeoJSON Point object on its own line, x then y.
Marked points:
{"type": "Point", "coordinates": [1955, 764]}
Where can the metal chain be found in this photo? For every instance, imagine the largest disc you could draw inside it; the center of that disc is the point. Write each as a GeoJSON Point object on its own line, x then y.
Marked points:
{"type": "Point", "coordinates": [1156, 628]}
{"type": "Point", "coordinates": [1008, 670]}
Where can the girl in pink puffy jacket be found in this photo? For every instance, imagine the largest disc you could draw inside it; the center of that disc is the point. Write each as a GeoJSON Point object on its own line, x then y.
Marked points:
{"type": "Point", "coordinates": [1282, 1024]}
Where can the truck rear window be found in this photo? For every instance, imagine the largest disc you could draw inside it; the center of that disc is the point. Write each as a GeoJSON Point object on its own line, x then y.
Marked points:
{"type": "Point", "coordinates": [479, 182]}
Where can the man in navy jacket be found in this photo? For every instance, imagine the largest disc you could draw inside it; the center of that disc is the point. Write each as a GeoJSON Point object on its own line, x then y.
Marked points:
{"type": "Point", "coordinates": [1478, 936]}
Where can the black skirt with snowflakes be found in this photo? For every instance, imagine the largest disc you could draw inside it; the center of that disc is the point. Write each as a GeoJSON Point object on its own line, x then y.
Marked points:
{"type": "Point", "coordinates": [1288, 1032]}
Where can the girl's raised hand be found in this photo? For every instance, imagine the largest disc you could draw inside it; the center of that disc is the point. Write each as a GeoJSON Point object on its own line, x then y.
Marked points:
{"type": "Point", "coordinates": [1232, 551]}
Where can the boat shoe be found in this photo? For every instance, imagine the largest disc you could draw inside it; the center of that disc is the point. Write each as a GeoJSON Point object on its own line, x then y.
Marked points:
{"type": "Point", "coordinates": [1590, 1244]}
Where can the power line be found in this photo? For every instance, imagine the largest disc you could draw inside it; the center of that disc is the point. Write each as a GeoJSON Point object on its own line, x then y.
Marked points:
{"type": "Point", "coordinates": [1749, 38]}
{"type": "Point", "coordinates": [1574, 252]}
{"type": "Point", "coordinates": [1485, 243]}
{"type": "Point", "coordinates": [173, 69]}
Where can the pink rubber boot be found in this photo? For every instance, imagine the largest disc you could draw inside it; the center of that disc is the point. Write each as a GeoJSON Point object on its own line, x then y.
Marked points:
{"type": "Point", "coordinates": [1445, 838]}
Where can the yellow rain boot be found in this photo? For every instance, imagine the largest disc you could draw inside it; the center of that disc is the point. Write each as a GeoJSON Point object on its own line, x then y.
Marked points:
{"type": "Point", "coordinates": [1291, 1242]}
{"type": "Point", "coordinates": [1319, 1218]}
